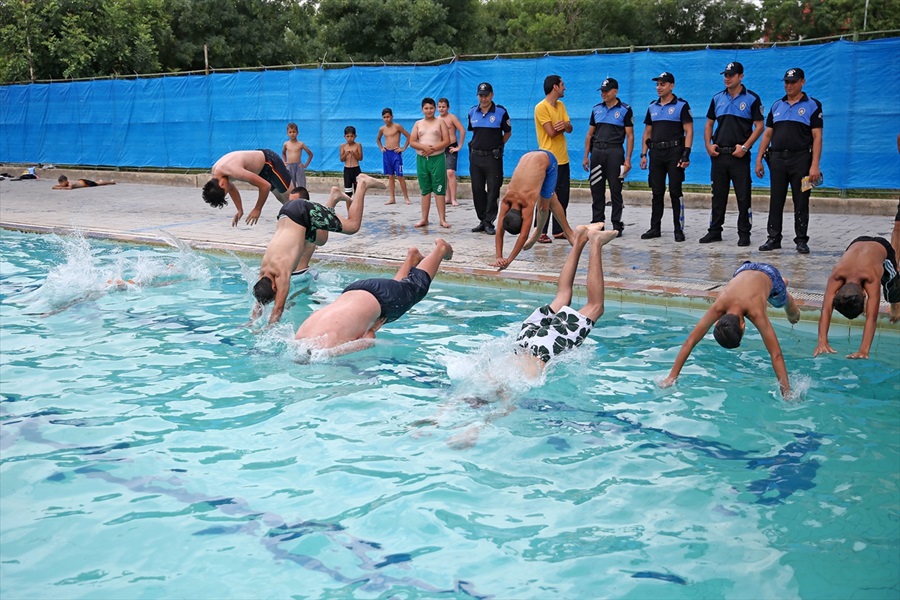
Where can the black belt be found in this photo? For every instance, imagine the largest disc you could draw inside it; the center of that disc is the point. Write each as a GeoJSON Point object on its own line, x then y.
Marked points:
{"type": "Point", "coordinates": [605, 145]}
{"type": "Point", "coordinates": [786, 153]}
{"type": "Point", "coordinates": [663, 145]}
{"type": "Point", "coordinates": [483, 152]}
{"type": "Point", "coordinates": [726, 149]}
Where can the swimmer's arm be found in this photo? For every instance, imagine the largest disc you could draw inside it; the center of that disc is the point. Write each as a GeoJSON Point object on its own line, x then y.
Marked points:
{"type": "Point", "coordinates": [354, 346]}
{"type": "Point", "coordinates": [414, 140]}
{"type": "Point", "coordinates": [406, 133]}
{"type": "Point", "coordinates": [343, 152]}
{"type": "Point", "coordinates": [687, 347]}
{"type": "Point", "coordinates": [284, 152]}
{"type": "Point", "coordinates": [461, 137]}
{"type": "Point", "coordinates": [822, 345]}
{"type": "Point", "coordinates": [282, 289]}
{"type": "Point", "coordinates": [238, 203]}
{"type": "Point", "coordinates": [771, 341]}
{"type": "Point", "coordinates": [873, 302]}
{"type": "Point", "coordinates": [378, 139]}
{"type": "Point", "coordinates": [310, 153]}
{"type": "Point", "coordinates": [527, 216]}
{"type": "Point", "coordinates": [445, 138]}
{"type": "Point", "coordinates": [261, 184]}
{"type": "Point", "coordinates": [498, 237]}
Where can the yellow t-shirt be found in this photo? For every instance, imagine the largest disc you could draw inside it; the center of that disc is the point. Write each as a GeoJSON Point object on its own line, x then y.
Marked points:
{"type": "Point", "coordinates": [545, 113]}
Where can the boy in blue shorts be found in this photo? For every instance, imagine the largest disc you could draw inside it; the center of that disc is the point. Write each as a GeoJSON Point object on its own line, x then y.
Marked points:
{"type": "Point", "coordinates": [429, 138]}
{"type": "Point", "coordinates": [752, 287]}
{"type": "Point", "coordinates": [533, 185]}
{"type": "Point", "coordinates": [392, 152]}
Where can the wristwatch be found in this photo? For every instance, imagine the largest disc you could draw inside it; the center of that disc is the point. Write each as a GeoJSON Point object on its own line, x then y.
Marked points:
{"type": "Point", "coordinates": [745, 148]}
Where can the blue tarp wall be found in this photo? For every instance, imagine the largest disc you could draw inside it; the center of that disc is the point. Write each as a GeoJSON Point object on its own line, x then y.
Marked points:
{"type": "Point", "coordinates": [189, 121]}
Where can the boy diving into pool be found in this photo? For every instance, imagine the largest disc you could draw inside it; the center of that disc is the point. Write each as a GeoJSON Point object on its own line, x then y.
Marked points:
{"type": "Point", "coordinates": [303, 225]}
{"type": "Point", "coordinates": [533, 184]}
{"type": "Point", "coordinates": [556, 327]}
{"type": "Point", "coordinates": [867, 267]}
{"type": "Point", "coordinates": [349, 323]}
{"type": "Point", "coordinates": [263, 169]}
{"type": "Point", "coordinates": [752, 286]}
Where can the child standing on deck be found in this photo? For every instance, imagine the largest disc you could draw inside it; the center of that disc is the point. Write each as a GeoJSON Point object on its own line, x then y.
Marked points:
{"type": "Point", "coordinates": [292, 155]}
{"type": "Point", "coordinates": [351, 155]}
{"type": "Point", "coordinates": [392, 152]}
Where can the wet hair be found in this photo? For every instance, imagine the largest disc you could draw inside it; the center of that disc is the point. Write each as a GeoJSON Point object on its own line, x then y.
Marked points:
{"type": "Point", "coordinates": [301, 191]}
{"type": "Point", "coordinates": [428, 101]}
{"type": "Point", "coordinates": [293, 126]}
{"type": "Point", "coordinates": [850, 300]}
{"type": "Point", "coordinates": [728, 331]}
{"type": "Point", "coordinates": [350, 129]}
{"type": "Point", "coordinates": [512, 222]}
{"type": "Point", "coordinates": [62, 179]}
{"type": "Point", "coordinates": [263, 291]}
{"type": "Point", "coordinates": [550, 81]}
{"type": "Point", "coordinates": [213, 194]}
{"type": "Point", "coordinates": [387, 111]}
{"type": "Point", "coordinates": [445, 101]}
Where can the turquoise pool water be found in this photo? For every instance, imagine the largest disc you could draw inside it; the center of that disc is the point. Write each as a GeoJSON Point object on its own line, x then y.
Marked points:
{"type": "Point", "coordinates": [153, 447]}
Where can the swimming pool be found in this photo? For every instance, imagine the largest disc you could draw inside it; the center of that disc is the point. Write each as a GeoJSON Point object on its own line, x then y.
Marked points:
{"type": "Point", "coordinates": [154, 447]}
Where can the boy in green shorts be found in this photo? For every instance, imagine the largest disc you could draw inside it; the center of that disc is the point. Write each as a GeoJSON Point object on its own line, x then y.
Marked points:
{"type": "Point", "coordinates": [429, 137]}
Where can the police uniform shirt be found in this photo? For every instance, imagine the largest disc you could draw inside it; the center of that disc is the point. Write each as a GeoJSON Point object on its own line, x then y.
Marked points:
{"type": "Point", "coordinates": [609, 123]}
{"type": "Point", "coordinates": [488, 128]}
{"type": "Point", "coordinates": [792, 125]}
{"type": "Point", "coordinates": [734, 116]}
{"type": "Point", "coordinates": [667, 119]}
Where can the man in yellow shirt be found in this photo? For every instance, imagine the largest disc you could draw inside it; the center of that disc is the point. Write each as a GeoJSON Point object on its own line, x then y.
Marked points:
{"type": "Point", "coordinates": [552, 123]}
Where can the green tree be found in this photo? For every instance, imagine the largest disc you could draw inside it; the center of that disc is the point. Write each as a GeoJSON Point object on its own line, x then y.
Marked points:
{"type": "Point", "coordinates": [801, 19]}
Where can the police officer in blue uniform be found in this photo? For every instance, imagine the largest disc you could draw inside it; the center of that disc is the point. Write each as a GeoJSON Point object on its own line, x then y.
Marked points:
{"type": "Point", "coordinates": [668, 136]}
{"type": "Point", "coordinates": [612, 124]}
{"type": "Point", "coordinates": [490, 127]}
{"type": "Point", "coordinates": [738, 116]}
{"type": "Point", "coordinates": [793, 143]}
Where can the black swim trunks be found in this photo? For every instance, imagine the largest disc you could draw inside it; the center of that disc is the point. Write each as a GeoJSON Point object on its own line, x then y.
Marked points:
{"type": "Point", "coordinates": [395, 297]}
{"type": "Point", "coordinates": [275, 172]}
{"type": "Point", "coordinates": [312, 216]}
{"type": "Point", "coordinates": [890, 278]}
{"type": "Point", "coordinates": [88, 183]}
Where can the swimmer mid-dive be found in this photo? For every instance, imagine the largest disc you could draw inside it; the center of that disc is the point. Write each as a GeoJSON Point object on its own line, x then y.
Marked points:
{"type": "Point", "coordinates": [532, 187]}
{"type": "Point", "coordinates": [263, 169]}
{"type": "Point", "coordinates": [349, 323]}
{"type": "Point", "coordinates": [752, 286]}
{"type": "Point", "coordinates": [303, 225]}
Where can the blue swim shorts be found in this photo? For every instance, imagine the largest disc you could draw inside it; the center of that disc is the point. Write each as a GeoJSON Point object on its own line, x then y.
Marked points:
{"type": "Point", "coordinates": [778, 295]}
{"type": "Point", "coordinates": [392, 162]}
{"type": "Point", "coordinates": [550, 176]}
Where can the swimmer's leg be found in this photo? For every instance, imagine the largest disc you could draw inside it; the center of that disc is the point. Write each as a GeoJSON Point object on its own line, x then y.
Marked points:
{"type": "Point", "coordinates": [593, 310]}
{"type": "Point", "coordinates": [337, 194]}
{"type": "Point", "coordinates": [352, 223]}
{"type": "Point", "coordinates": [559, 213]}
{"type": "Point", "coordinates": [430, 264]}
{"type": "Point", "coordinates": [567, 275]}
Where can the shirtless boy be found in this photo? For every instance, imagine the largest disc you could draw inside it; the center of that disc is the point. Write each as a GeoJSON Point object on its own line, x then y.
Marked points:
{"type": "Point", "coordinates": [349, 323]}
{"type": "Point", "coordinates": [261, 168]}
{"type": "Point", "coordinates": [429, 137]}
{"type": "Point", "coordinates": [868, 266]}
{"type": "Point", "coordinates": [451, 152]}
{"type": "Point", "coordinates": [302, 225]}
{"type": "Point", "coordinates": [751, 287]}
{"type": "Point", "coordinates": [351, 154]}
{"type": "Point", "coordinates": [392, 152]}
{"type": "Point", "coordinates": [533, 184]}
{"type": "Point", "coordinates": [292, 155]}
{"type": "Point", "coordinates": [63, 183]}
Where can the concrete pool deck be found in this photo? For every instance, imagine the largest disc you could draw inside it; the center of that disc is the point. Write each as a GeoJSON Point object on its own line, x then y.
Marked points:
{"type": "Point", "coordinates": [659, 271]}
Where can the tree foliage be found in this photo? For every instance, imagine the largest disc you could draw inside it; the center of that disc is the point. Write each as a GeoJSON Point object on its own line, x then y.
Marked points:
{"type": "Point", "coordinates": [56, 39]}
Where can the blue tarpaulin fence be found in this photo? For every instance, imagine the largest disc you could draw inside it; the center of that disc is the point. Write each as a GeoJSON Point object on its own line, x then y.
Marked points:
{"type": "Point", "coordinates": [189, 121]}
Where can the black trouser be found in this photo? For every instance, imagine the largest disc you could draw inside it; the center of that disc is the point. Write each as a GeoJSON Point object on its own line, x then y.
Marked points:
{"type": "Point", "coordinates": [784, 171]}
{"type": "Point", "coordinates": [486, 173]}
{"type": "Point", "coordinates": [562, 194]}
{"type": "Point", "coordinates": [664, 163]}
{"type": "Point", "coordinates": [606, 163]}
{"type": "Point", "coordinates": [726, 169]}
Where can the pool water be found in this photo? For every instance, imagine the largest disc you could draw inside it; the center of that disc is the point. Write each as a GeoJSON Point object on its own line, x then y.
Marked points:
{"type": "Point", "coordinates": [154, 447]}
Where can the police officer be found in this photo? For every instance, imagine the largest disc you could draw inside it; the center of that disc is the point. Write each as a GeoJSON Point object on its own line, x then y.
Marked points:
{"type": "Point", "coordinates": [793, 143]}
{"type": "Point", "coordinates": [612, 124]}
{"type": "Point", "coordinates": [490, 127]}
{"type": "Point", "coordinates": [738, 115]}
{"type": "Point", "coordinates": [669, 133]}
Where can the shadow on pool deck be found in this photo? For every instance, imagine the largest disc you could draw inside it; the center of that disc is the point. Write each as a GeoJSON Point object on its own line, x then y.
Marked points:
{"type": "Point", "coordinates": [658, 271]}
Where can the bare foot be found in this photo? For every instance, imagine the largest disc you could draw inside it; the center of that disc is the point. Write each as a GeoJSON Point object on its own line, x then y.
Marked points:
{"type": "Point", "coordinates": [391, 201]}
{"type": "Point", "coordinates": [369, 181]}
{"type": "Point", "coordinates": [581, 232]}
{"type": "Point", "coordinates": [454, 203]}
{"type": "Point", "coordinates": [448, 249]}
{"type": "Point", "coordinates": [415, 256]}
{"type": "Point", "coordinates": [894, 314]}
{"type": "Point", "coordinates": [422, 223]}
{"type": "Point", "coordinates": [597, 235]}
{"type": "Point", "coordinates": [407, 201]}
{"type": "Point", "coordinates": [336, 195]}
{"type": "Point", "coordinates": [446, 225]}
